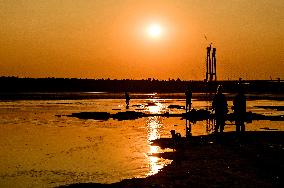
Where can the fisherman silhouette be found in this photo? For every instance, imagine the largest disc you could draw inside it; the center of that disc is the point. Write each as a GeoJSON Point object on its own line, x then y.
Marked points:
{"type": "Point", "coordinates": [220, 106]}
{"type": "Point", "coordinates": [127, 99]}
{"type": "Point", "coordinates": [239, 108]}
{"type": "Point", "coordinates": [188, 96]}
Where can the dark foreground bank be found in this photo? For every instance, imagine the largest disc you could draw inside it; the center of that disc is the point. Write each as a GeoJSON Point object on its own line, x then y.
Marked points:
{"type": "Point", "coordinates": [251, 159]}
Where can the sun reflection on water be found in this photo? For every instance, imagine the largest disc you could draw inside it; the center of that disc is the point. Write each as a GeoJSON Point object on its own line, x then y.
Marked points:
{"type": "Point", "coordinates": [154, 149]}
{"type": "Point", "coordinates": [154, 106]}
{"type": "Point", "coordinates": [153, 128]}
{"type": "Point", "coordinates": [155, 165]}
{"type": "Point", "coordinates": [154, 109]}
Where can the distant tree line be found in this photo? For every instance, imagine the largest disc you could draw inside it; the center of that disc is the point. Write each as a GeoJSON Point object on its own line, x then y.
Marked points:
{"type": "Point", "coordinates": [15, 84]}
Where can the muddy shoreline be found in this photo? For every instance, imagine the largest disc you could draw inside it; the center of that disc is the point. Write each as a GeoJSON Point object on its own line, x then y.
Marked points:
{"type": "Point", "coordinates": [250, 159]}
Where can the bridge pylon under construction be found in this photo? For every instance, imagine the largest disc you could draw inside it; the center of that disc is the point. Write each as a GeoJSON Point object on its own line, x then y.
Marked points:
{"type": "Point", "coordinates": [211, 63]}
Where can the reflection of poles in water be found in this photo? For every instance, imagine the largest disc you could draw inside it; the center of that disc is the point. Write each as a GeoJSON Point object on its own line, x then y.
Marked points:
{"type": "Point", "coordinates": [127, 99]}
{"type": "Point", "coordinates": [210, 124]}
{"type": "Point", "coordinates": [208, 93]}
{"type": "Point", "coordinates": [187, 128]}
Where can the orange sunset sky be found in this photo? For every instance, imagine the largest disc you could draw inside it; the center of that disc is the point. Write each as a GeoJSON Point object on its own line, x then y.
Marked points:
{"type": "Point", "coordinates": [113, 38]}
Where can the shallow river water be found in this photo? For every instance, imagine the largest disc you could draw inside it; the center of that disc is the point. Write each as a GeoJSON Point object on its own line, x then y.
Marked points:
{"type": "Point", "coordinates": [42, 147]}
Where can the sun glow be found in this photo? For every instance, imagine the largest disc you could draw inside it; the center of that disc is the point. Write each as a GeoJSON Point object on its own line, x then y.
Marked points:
{"type": "Point", "coordinates": [154, 30]}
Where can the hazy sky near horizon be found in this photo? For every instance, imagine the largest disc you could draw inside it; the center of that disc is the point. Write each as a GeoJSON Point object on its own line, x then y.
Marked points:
{"type": "Point", "coordinates": [109, 38]}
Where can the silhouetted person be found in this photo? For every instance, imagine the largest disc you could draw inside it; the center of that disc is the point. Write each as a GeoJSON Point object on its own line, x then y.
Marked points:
{"type": "Point", "coordinates": [127, 99]}
{"type": "Point", "coordinates": [220, 106]}
{"type": "Point", "coordinates": [188, 96]}
{"type": "Point", "coordinates": [176, 137]}
{"type": "Point", "coordinates": [239, 108]}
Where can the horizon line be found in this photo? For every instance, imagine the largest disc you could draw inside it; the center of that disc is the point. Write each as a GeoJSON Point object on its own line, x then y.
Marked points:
{"type": "Point", "coordinates": [143, 79]}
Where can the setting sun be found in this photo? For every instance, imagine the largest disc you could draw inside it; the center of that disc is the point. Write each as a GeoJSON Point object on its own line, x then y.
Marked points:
{"type": "Point", "coordinates": [154, 30]}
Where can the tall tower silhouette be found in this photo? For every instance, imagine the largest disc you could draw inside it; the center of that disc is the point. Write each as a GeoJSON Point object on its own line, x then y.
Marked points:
{"type": "Point", "coordinates": [211, 62]}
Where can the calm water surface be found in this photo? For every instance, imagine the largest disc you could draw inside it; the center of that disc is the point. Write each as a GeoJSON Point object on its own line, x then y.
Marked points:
{"type": "Point", "coordinates": [42, 147]}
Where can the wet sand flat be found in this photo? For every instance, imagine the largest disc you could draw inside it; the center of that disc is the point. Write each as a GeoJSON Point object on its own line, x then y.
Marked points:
{"type": "Point", "coordinates": [251, 159]}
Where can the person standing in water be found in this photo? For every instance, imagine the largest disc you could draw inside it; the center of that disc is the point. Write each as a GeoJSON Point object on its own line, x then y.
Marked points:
{"type": "Point", "coordinates": [220, 106]}
{"type": "Point", "coordinates": [127, 99]}
{"type": "Point", "coordinates": [188, 96]}
{"type": "Point", "coordinates": [239, 108]}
